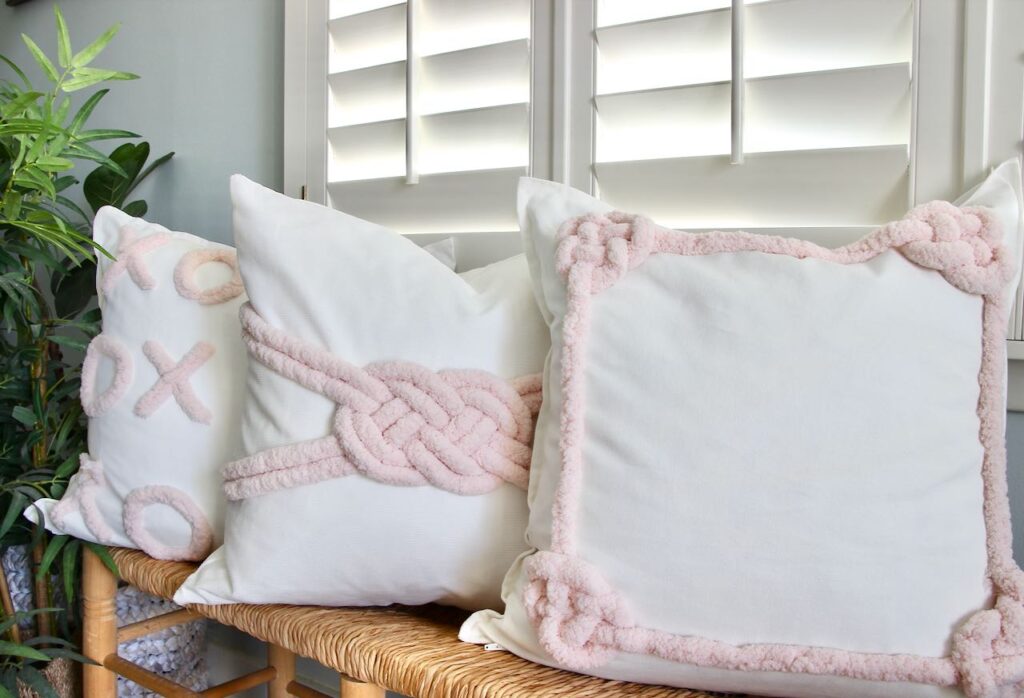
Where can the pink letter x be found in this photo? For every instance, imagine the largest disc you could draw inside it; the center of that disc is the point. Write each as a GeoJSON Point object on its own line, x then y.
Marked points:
{"type": "Point", "coordinates": [130, 249]}
{"type": "Point", "coordinates": [174, 380]}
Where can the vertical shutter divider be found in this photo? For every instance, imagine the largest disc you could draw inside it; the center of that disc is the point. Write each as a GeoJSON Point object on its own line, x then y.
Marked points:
{"type": "Point", "coordinates": [412, 119]}
{"type": "Point", "coordinates": [737, 83]}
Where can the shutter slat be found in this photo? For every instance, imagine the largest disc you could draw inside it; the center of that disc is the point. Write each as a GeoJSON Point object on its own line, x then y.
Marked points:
{"type": "Point", "coordinates": [451, 25]}
{"type": "Point", "coordinates": [367, 39]}
{"type": "Point", "coordinates": [789, 36]}
{"type": "Point", "coordinates": [845, 187]}
{"type": "Point", "coordinates": [478, 77]}
{"type": "Point", "coordinates": [367, 95]}
{"type": "Point", "coordinates": [348, 8]}
{"type": "Point", "coordinates": [488, 203]}
{"type": "Point", "coordinates": [475, 139]}
{"type": "Point", "coordinates": [830, 109]}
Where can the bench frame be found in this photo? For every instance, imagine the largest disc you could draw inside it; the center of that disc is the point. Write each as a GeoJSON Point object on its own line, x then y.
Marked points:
{"type": "Point", "coordinates": [101, 636]}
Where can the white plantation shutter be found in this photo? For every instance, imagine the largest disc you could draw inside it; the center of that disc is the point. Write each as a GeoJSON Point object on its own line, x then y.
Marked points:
{"type": "Point", "coordinates": [428, 119]}
{"type": "Point", "coordinates": [849, 111]}
{"type": "Point", "coordinates": [826, 122]}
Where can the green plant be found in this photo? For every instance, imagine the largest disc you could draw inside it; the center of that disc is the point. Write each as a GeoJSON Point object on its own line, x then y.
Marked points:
{"type": "Point", "coordinates": [46, 302]}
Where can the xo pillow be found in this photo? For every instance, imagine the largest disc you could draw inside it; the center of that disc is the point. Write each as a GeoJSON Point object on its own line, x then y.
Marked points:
{"type": "Point", "coordinates": [768, 467]}
{"type": "Point", "coordinates": [162, 386]}
{"type": "Point", "coordinates": [388, 420]}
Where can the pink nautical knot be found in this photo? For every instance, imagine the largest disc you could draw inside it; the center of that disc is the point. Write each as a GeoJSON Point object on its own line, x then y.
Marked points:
{"type": "Point", "coordinates": [185, 276]}
{"type": "Point", "coordinates": [81, 497]}
{"type": "Point", "coordinates": [465, 431]}
{"type": "Point", "coordinates": [124, 368]}
{"type": "Point", "coordinates": [988, 649]}
{"type": "Point", "coordinates": [964, 246]}
{"type": "Point", "coordinates": [608, 244]}
{"type": "Point", "coordinates": [174, 380]}
{"type": "Point", "coordinates": [575, 611]}
{"type": "Point", "coordinates": [131, 252]}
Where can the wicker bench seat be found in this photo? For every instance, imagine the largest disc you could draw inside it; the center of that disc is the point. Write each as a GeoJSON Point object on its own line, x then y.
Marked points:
{"type": "Point", "coordinates": [413, 651]}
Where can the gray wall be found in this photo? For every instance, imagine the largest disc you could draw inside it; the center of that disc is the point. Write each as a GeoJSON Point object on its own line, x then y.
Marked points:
{"type": "Point", "coordinates": [211, 91]}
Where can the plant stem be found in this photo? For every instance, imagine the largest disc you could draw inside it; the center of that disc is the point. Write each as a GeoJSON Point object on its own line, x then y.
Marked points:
{"type": "Point", "coordinates": [41, 591]}
{"type": "Point", "coordinates": [8, 606]}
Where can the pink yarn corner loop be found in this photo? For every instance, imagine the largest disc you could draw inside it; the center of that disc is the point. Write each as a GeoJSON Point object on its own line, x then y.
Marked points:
{"type": "Point", "coordinates": [609, 245]}
{"type": "Point", "coordinates": [185, 276]}
{"type": "Point", "coordinates": [964, 245]}
{"type": "Point", "coordinates": [462, 430]}
{"type": "Point", "coordinates": [138, 500]}
{"type": "Point", "coordinates": [124, 369]}
{"type": "Point", "coordinates": [574, 610]}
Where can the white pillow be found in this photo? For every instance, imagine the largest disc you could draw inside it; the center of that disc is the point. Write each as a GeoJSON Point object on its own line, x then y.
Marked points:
{"type": "Point", "coordinates": [763, 466]}
{"type": "Point", "coordinates": [326, 510]}
{"type": "Point", "coordinates": [162, 385]}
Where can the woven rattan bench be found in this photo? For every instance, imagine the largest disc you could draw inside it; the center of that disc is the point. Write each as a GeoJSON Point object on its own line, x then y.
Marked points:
{"type": "Point", "coordinates": [413, 651]}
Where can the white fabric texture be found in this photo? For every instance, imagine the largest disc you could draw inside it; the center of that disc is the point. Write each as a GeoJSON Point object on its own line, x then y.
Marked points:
{"type": "Point", "coordinates": [167, 447]}
{"type": "Point", "coordinates": [366, 294]}
{"type": "Point", "coordinates": [776, 451]}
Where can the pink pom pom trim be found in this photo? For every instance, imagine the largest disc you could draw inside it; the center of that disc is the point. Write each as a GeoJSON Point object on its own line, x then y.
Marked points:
{"type": "Point", "coordinates": [131, 253]}
{"type": "Point", "coordinates": [185, 276]}
{"type": "Point", "coordinates": [124, 368]}
{"type": "Point", "coordinates": [135, 505]}
{"type": "Point", "coordinates": [174, 379]}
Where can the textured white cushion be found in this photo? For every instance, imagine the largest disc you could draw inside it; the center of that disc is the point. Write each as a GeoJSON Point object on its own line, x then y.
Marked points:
{"type": "Point", "coordinates": [758, 466]}
{"type": "Point", "coordinates": [350, 292]}
{"type": "Point", "coordinates": [178, 295]}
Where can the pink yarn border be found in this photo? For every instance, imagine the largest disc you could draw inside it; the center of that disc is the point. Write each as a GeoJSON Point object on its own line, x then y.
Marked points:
{"type": "Point", "coordinates": [582, 621]}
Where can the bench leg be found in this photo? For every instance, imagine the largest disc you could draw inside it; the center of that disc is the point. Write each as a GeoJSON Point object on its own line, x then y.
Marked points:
{"type": "Point", "coordinates": [350, 688]}
{"type": "Point", "coordinates": [284, 662]}
{"type": "Point", "coordinates": [99, 625]}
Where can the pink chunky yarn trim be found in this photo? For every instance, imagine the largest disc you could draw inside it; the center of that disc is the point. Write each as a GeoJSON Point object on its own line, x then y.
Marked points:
{"type": "Point", "coordinates": [185, 276]}
{"type": "Point", "coordinates": [138, 500]}
{"type": "Point", "coordinates": [124, 368]}
{"type": "Point", "coordinates": [583, 622]}
{"type": "Point", "coordinates": [130, 258]}
{"type": "Point", "coordinates": [464, 431]}
{"type": "Point", "coordinates": [82, 498]}
{"type": "Point", "coordinates": [173, 380]}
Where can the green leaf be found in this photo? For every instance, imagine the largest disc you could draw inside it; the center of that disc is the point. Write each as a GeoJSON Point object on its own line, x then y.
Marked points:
{"type": "Point", "coordinates": [137, 208]}
{"type": "Point", "coordinates": [17, 71]}
{"type": "Point", "coordinates": [24, 415]}
{"type": "Point", "coordinates": [65, 341]}
{"type": "Point", "coordinates": [35, 680]}
{"type": "Point", "coordinates": [68, 567]}
{"type": "Point", "coordinates": [105, 187]}
{"type": "Point", "coordinates": [12, 649]}
{"type": "Point", "coordinates": [41, 59]}
{"type": "Point", "coordinates": [74, 290]}
{"type": "Point", "coordinates": [149, 170]}
{"type": "Point", "coordinates": [99, 134]}
{"type": "Point", "coordinates": [85, 111]}
{"type": "Point", "coordinates": [63, 39]}
{"type": "Point", "coordinates": [87, 77]}
{"type": "Point", "coordinates": [53, 548]}
{"type": "Point", "coordinates": [87, 54]}
{"type": "Point", "coordinates": [14, 509]}
{"type": "Point", "coordinates": [52, 163]}
{"type": "Point", "coordinates": [103, 554]}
